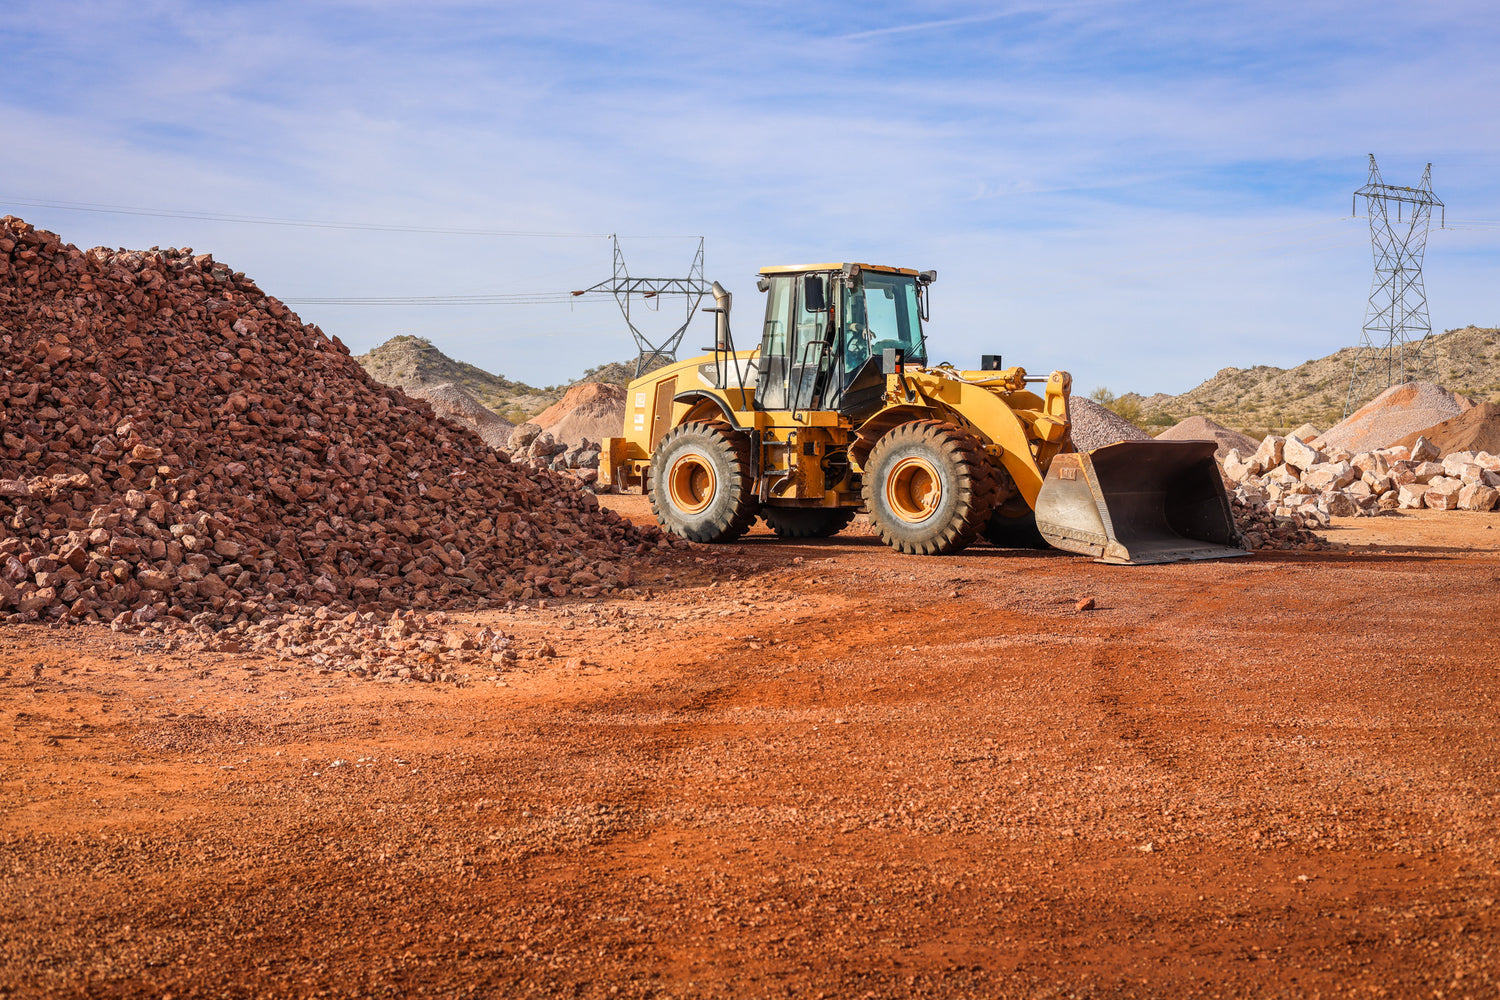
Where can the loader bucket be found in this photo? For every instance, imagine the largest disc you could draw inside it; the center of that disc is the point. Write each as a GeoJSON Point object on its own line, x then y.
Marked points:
{"type": "Point", "coordinates": [1138, 502]}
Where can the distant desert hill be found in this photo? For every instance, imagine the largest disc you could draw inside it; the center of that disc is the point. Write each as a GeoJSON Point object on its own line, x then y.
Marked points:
{"type": "Point", "coordinates": [408, 361]}
{"type": "Point", "coordinates": [1261, 399]}
{"type": "Point", "coordinates": [414, 361]}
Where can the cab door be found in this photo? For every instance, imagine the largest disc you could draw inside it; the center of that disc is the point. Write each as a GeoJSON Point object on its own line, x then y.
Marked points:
{"type": "Point", "coordinates": [812, 342]}
{"type": "Point", "coordinates": [775, 345]}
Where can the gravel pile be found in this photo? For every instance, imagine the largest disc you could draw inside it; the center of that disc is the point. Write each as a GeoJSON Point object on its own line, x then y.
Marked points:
{"type": "Point", "coordinates": [1204, 429]}
{"type": "Point", "coordinates": [1096, 427]}
{"type": "Point", "coordinates": [455, 403]}
{"type": "Point", "coordinates": [401, 646]}
{"type": "Point", "coordinates": [1401, 410]}
{"type": "Point", "coordinates": [1476, 429]}
{"type": "Point", "coordinates": [178, 441]}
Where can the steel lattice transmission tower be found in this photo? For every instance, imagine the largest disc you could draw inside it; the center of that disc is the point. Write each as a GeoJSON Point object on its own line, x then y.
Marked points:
{"type": "Point", "coordinates": [1394, 347]}
{"type": "Point", "coordinates": [623, 287]}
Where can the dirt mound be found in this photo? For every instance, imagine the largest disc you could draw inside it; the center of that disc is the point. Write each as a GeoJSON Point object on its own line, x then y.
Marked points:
{"type": "Point", "coordinates": [590, 410]}
{"type": "Point", "coordinates": [1400, 410]}
{"type": "Point", "coordinates": [1095, 426]}
{"type": "Point", "coordinates": [176, 441]}
{"type": "Point", "coordinates": [1204, 429]}
{"type": "Point", "coordinates": [454, 402]}
{"type": "Point", "coordinates": [1475, 429]}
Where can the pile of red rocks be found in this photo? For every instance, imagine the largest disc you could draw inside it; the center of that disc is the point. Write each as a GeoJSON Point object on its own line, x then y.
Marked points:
{"type": "Point", "coordinates": [1293, 475]}
{"type": "Point", "coordinates": [176, 440]}
{"type": "Point", "coordinates": [1263, 528]}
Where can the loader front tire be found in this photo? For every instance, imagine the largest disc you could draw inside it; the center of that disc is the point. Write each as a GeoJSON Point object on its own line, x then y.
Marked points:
{"type": "Point", "coordinates": [701, 484]}
{"type": "Point", "coordinates": [928, 488]}
{"type": "Point", "coordinates": [807, 522]}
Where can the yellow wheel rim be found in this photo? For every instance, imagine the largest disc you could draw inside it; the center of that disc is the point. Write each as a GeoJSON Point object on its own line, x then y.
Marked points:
{"type": "Point", "coordinates": [913, 490]}
{"type": "Point", "coordinates": [691, 484]}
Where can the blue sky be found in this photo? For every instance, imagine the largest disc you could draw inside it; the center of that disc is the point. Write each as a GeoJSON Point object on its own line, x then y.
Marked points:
{"type": "Point", "coordinates": [1139, 192]}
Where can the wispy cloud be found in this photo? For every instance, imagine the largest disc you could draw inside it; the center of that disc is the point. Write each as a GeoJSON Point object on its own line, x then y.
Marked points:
{"type": "Point", "coordinates": [958, 22]}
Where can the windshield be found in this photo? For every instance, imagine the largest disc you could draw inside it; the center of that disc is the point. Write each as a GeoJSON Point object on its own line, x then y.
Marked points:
{"type": "Point", "coordinates": [881, 312]}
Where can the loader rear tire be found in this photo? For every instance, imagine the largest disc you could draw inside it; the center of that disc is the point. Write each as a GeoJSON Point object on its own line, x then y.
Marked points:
{"type": "Point", "coordinates": [807, 522]}
{"type": "Point", "coordinates": [701, 485]}
{"type": "Point", "coordinates": [929, 488]}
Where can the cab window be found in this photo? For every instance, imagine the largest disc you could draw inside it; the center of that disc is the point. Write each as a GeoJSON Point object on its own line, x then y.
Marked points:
{"type": "Point", "coordinates": [778, 307]}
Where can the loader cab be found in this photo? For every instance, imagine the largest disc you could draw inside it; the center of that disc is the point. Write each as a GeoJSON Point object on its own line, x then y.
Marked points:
{"type": "Point", "coordinates": [826, 329]}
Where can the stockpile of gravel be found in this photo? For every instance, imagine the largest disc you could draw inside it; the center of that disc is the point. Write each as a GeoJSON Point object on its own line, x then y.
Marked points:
{"type": "Point", "coordinates": [1399, 411]}
{"type": "Point", "coordinates": [1204, 429]}
{"type": "Point", "coordinates": [175, 441]}
{"type": "Point", "coordinates": [456, 403]}
{"type": "Point", "coordinates": [1096, 427]}
{"type": "Point", "coordinates": [1476, 429]}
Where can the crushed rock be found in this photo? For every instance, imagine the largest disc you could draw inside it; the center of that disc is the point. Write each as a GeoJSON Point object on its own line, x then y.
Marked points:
{"type": "Point", "coordinates": [176, 442]}
{"type": "Point", "coordinates": [1094, 426]}
{"type": "Point", "coordinates": [1475, 429]}
{"type": "Point", "coordinates": [456, 403]}
{"type": "Point", "coordinates": [1398, 411]}
{"type": "Point", "coordinates": [1204, 429]}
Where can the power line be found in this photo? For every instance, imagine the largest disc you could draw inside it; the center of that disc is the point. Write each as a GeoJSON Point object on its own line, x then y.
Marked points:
{"type": "Point", "coordinates": [508, 299]}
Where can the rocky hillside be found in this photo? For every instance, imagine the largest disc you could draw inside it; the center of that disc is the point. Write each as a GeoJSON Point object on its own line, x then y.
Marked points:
{"type": "Point", "coordinates": [414, 361]}
{"type": "Point", "coordinates": [1264, 399]}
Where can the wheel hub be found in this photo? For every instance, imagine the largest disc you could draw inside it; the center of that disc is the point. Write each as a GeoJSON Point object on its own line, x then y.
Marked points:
{"type": "Point", "coordinates": [913, 490]}
{"type": "Point", "coordinates": [691, 484]}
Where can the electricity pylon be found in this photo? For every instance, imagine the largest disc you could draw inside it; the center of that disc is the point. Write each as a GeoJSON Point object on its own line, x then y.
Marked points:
{"type": "Point", "coordinates": [623, 287]}
{"type": "Point", "coordinates": [1394, 347]}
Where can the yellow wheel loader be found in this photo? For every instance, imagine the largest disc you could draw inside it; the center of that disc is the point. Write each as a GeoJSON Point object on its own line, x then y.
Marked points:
{"type": "Point", "coordinates": [838, 411]}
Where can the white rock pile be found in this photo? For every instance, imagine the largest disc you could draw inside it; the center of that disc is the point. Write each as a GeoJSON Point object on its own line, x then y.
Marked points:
{"type": "Point", "coordinates": [1297, 480]}
{"type": "Point", "coordinates": [538, 448]}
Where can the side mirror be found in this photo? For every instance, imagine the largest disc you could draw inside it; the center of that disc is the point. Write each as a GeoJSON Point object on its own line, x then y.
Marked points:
{"type": "Point", "coordinates": [813, 297]}
{"type": "Point", "coordinates": [762, 283]}
{"type": "Point", "coordinates": [892, 361]}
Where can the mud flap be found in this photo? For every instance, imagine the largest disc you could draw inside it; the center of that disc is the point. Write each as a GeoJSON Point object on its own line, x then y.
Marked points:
{"type": "Point", "coordinates": [1139, 502]}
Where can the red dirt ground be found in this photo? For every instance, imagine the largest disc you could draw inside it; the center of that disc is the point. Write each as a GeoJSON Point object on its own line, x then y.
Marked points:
{"type": "Point", "coordinates": [798, 770]}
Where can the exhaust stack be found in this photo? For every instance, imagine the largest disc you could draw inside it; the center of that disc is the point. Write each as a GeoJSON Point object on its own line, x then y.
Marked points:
{"type": "Point", "coordinates": [722, 300]}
